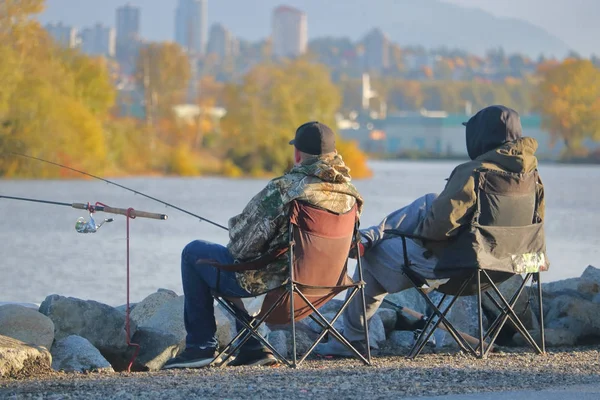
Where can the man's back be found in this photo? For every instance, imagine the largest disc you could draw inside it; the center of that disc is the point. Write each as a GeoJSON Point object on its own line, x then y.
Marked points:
{"type": "Point", "coordinates": [490, 149]}
{"type": "Point", "coordinates": [323, 181]}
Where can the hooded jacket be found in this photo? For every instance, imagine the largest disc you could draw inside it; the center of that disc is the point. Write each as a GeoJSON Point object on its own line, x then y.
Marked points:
{"type": "Point", "coordinates": [262, 227]}
{"type": "Point", "coordinates": [494, 142]}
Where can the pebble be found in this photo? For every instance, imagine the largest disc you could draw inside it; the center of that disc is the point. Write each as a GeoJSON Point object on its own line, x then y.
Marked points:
{"type": "Point", "coordinates": [390, 376]}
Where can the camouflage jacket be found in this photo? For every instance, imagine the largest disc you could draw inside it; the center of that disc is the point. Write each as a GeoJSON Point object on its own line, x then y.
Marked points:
{"type": "Point", "coordinates": [263, 224]}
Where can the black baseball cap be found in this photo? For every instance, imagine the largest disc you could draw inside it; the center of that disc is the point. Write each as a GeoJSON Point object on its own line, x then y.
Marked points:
{"type": "Point", "coordinates": [314, 138]}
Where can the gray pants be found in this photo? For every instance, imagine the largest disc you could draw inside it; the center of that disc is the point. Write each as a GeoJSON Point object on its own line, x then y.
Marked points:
{"type": "Point", "coordinates": [383, 261]}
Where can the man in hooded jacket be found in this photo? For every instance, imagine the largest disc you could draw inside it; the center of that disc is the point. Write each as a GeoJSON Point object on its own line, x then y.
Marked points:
{"type": "Point", "coordinates": [494, 142]}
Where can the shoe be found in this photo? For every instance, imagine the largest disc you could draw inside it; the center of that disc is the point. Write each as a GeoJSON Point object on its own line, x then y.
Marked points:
{"type": "Point", "coordinates": [338, 349]}
{"type": "Point", "coordinates": [192, 358]}
{"type": "Point", "coordinates": [254, 357]}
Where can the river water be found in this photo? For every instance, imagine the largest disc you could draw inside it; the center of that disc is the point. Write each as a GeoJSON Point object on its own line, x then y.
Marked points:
{"type": "Point", "coordinates": [42, 253]}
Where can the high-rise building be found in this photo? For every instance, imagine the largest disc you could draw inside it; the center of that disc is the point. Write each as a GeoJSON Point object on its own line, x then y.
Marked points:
{"type": "Point", "coordinates": [65, 35]}
{"type": "Point", "coordinates": [191, 26]}
{"type": "Point", "coordinates": [128, 23]}
{"type": "Point", "coordinates": [128, 37]}
{"type": "Point", "coordinates": [221, 42]}
{"type": "Point", "coordinates": [290, 32]}
{"type": "Point", "coordinates": [98, 40]}
{"type": "Point", "coordinates": [377, 51]}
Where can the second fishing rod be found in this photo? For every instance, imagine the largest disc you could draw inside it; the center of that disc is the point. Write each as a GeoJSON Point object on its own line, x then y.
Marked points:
{"type": "Point", "coordinates": [13, 153]}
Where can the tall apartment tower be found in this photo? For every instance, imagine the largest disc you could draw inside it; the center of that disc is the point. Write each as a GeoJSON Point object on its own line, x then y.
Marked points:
{"type": "Point", "coordinates": [191, 19]}
{"type": "Point", "coordinates": [98, 40]}
{"type": "Point", "coordinates": [65, 35]}
{"type": "Point", "coordinates": [290, 32]}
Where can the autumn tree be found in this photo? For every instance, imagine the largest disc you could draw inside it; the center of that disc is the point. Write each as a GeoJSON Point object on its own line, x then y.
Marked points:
{"type": "Point", "coordinates": [569, 100]}
{"type": "Point", "coordinates": [266, 108]}
{"type": "Point", "coordinates": [163, 72]}
{"type": "Point", "coordinates": [56, 99]}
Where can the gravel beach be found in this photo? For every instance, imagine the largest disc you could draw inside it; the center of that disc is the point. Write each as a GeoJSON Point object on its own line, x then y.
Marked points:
{"type": "Point", "coordinates": [390, 376]}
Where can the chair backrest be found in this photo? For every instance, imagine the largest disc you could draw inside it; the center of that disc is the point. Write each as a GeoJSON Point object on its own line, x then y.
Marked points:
{"type": "Point", "coordinates": [321, 243]}
{"type": "Point", "coordinates": [506, 234]}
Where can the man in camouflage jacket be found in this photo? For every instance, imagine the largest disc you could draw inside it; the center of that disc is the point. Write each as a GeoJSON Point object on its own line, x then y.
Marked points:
{"type": "Point", "coordinates": [318, 177]}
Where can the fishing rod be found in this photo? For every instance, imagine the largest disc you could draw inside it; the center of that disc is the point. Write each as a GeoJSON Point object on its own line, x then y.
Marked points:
{"type": "Point", "coordinates": [119, 185]}
{"type": "Point", "coordinates": [94, 207]}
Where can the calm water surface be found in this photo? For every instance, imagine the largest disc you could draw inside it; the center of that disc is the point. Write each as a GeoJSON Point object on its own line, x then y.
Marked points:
{"type": "Point", "coordinates": [42, 253]}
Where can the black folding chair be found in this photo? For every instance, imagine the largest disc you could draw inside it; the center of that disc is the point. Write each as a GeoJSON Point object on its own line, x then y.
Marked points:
{"type": "Point", "coordinates": [504, 238]}
{"type": "Point", "coordinates": [317, 255]}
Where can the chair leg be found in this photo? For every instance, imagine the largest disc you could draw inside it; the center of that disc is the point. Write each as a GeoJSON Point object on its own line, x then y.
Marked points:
{"type": "Point", "coordinates": [480, 349]}
{"type": "Point", "coordinates": [292, 314]}
{"type": "Point", "coordinates": [541, 313]}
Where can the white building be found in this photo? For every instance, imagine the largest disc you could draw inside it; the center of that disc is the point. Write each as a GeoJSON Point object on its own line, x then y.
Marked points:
{"type": "Point", "coordinates": [65, 35]}
{"type": "Point", "coordinates": [98, 41]}
{"type": "Point", "coordinates": [191, 26]}
{"type": "Point", "coordinates": [290, 32]}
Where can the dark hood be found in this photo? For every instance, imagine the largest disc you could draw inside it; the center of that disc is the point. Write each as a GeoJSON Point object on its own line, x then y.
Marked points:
{"type": "Point", "coordinates": [490, 128]}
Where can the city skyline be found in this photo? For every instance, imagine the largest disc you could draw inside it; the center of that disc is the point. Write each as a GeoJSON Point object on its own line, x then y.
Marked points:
{"type": "Point", "coordinates": [155, 27]}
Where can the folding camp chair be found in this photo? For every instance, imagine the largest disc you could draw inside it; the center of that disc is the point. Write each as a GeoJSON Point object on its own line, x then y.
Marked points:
{"type": "Point", "coordinates": [319, 243]}
{"type": "Point", "coordinates": [504, 238]}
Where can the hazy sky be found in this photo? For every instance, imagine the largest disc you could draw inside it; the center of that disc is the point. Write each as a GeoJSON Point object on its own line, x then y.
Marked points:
{"type": "Point", "coordinates": [573, 21]}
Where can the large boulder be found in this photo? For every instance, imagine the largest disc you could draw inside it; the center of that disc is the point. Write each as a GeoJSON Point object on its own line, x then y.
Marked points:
{"type": "Point", "coordinates": [463, 316]}
{"type": "Point", "coordinates": [556, 288]}
{"type": "Point", "coordinates": [18, 358]}
{"type": "Point", "coordinates": [409, 298]}
{"type": "Point", "coordinates": [101, 324]}
{"type": "Point", "coordinates": [589, 282]}
{"type": "Point", "coordinates": [162, 335]}
{"type": "Point", "coordinates": [27, 325]}
{"type": "Point", "coordinates": [376, 328]}
{"type": "Point", "coordinates": [579, 316]}
{"type": "Point", "coordinates": [523, 306]}
{"type": "Point", "coordinates": [552, 338]}
{"type": "Point", "coordinates": [281, 340]}
{"type": "Point", "coordinates": [76, 354]}
{"type": "Point", "coordinates": [401, 339]}
{"type": "Point", "coordinates": [156, 347]}
{"type": "Point", "coordinates": [146, 309]}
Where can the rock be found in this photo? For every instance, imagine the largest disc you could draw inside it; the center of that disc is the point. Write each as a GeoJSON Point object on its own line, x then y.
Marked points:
{"type": "Point", "coordinates": [279, 340]}
{"type": "Point", "coordinates": [523, 307]}
{"type": "Point", "coordinates": [388, 318]}
{"type": "Point", "coordinates": [376, 328]}
{"type": "Point", "coordinates": [589, 283]}
{"type": "Point", "coordinates": [578, 315]}
{"type": "Point", "coordinates": [409, 298]}
{"type": "Point", "coordinates": [101, 324]}
{"type": "Point", "coordinates": [556, 288]}
{"type": "Point", "coordinates": [553, 338]}
{"type": "Point", "coordinates": [27, 325]}
{"type": "Point", "coordinates": [156, 348]}
{"type": "Point", "coordinates": [464, 317]}
{"type": "Point", "coordinates": [145, 309]}
{"type": "Point", "coordinates": [76, 354]}
{"type": "Point", "coordinates": [402, 339]}
{"type": "Point", "coordinates": [282, 341]}
{"type": "Point", "coordinates": [28, 305]}
{"type": "Point", "coordinates": [334, 305]}
{"type": "Point", "coordinates": [18, 358]}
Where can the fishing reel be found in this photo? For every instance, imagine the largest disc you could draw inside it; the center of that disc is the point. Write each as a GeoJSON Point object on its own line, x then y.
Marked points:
{"type": "Point", "coordinates": [83, 226]}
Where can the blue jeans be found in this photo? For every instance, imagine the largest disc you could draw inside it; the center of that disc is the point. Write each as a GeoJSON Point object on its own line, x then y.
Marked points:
{"type": "Point", "coordinates": [198, 281]}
